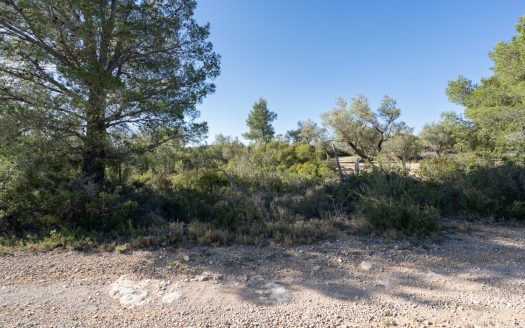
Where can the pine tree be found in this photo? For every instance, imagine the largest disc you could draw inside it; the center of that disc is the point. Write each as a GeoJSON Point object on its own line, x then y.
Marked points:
{"type": "Point", "coordinates": [86, 70]}
{"type": "Point", "coordinates": [260, 123]}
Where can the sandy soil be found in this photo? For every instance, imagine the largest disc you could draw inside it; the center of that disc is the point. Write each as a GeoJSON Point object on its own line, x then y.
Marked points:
{"type": "Point", "coordinates": [470, 279]}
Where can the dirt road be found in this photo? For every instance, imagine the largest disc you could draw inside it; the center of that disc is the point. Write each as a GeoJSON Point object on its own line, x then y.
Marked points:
{"type": "Point", "coordinates": [472, 279]}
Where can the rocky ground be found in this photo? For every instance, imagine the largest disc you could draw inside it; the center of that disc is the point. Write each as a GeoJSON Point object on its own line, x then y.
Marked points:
{"type": "Point", "coordinates": [468, 279]}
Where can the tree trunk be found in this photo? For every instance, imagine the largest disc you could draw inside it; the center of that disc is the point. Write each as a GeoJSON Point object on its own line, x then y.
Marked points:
{"type": "Point", "coordinates": [357, 150]}
{"type": "Point", "coordinates": [94, 161]}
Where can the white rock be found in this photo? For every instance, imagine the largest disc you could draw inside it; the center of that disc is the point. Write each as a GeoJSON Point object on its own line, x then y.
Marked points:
{"type": "Point", "coordinates": [277, 292]}
{"type": "Point", "coordinates": [129, 292]}
{"type": "Point", "coordinates": [132, 293]}
{"type": "Point", "coordinates": [203, 277]}
{"type": "Point", "coordinates": [383, 283]}
{"type": "Point", "coordinates": [365, 266]}
{"type": "Point", "coordinates": [170, 297]}
{"type": "Point", "coordinates": [432, 274]}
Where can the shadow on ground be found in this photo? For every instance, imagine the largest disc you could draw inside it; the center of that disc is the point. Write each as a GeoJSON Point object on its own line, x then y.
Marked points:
{"type": "Point", "coordinates": [357, 267]}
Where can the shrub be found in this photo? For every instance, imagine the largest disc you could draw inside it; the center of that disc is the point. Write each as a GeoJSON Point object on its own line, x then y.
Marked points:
{"type": "Point", "coordinates": [478, 186]}
{"type": "Point", "coordinates": [497, 191]}
{"type": "Point", "coordinates": [306, 231]}
{"type": "Point", "coordinates": [442, 169]}
{"type": "Point", "coordinates": [389, 201]}
{"type": "Point", "coordinates": [385, 213]}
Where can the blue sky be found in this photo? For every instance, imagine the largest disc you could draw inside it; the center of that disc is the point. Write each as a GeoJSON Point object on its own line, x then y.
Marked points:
{"type": "Point", "coordinates": [302, 54]}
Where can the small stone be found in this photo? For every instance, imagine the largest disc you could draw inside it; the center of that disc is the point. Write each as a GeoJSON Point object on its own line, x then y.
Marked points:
{"type": "Point", "coordinates": [365, 266]}
{"type": "Point", "coordinates": [277, 292]}
{"type": "Point", "coordinates": [169, 298]}
{"type": "Point", "coordinates": [257, 278]}
{"type": "Point", "coordinates": [203, 277]}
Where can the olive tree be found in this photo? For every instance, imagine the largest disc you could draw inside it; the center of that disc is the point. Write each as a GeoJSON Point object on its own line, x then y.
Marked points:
{"type": "Point", "coordinates": [402, 147]}
{"type": "Point", "coordinates": [362, 129]}
{"type": "Point", "coordinates": [437, 137]}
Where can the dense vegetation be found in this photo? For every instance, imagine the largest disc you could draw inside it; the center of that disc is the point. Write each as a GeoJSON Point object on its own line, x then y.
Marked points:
{"type": "Point", "coordinates": [98, 140]}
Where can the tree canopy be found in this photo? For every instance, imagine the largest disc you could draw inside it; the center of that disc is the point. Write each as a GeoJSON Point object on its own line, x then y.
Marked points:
{"type": "Point", "coordinates": [362, 129]}
{"type": "Point", "coordinates": [308, 132]}
{"type": "Point", "coordinates": [496, 106]}
{"type": "Point", "coordinates": [403, 146]}
{"type": "Point", "coordinates": [88, 71]}
{"type": "Point", "coordinates": [437, 137]}
{"type": "Point", "coordinates": [260, 123]}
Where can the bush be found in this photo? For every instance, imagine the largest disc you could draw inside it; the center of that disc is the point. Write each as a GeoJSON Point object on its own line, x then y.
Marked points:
{"type": "Point", "coordinates": [479, 186]}
{"type": "Point", "coordinates": [215, 195]}
{"type": "Point", "coordinates": [440, 169]}
{"type": "Point", "coordinates": [497, 191]}
{"type": "Point", "coordinates": [37, 199]}
{"type": "Point", "coordinates": [389, 201]}
{"type": "Point", "coordinates": [387, 213]}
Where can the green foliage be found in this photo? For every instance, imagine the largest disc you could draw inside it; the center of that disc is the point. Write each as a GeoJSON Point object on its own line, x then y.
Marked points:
{"type": "Point", "coordinates": [454, 134]}
{"type": "Point", "coordinates": [392, 214]}
{"type": "Point", "coordinates": [497, 191]}
{"type": "Point", "coordinates": [441, 169]}
{"type": "Point", "coordinates": [458, 90]}
{"type": "Point", "coordinates": [95, 129]}
{"type": "Point", "coordinates": [403, 146]}
{"type": "Point", "coordinates": [362, 129]}
{"type": "Point", "coordinates": [275, 164]}
{"type": "Point", "coordinates": [260, 123]}
{"type": "Point", "coordinates": [40, 191]}
{"type": "Point", "coordinates": [307, 132]}
{"type": "Point", "coordinates": [88, 72]}
{"type": "Point", "coordinates": [392, 202]}
{"type": "Point", "coordinates": [485, 188]}
{"type": "Point", "coordinates": [39, 200]}
{"type": "Point", "coordinates": [495, 106]}
{"type": "Point", "coordinates": [437, 137]}
{"type": "Point", "coordinates": [229, 192]}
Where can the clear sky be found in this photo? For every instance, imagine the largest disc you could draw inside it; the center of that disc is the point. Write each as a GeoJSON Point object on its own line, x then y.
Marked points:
{"type": "Point", "coordinates": [302, 54]}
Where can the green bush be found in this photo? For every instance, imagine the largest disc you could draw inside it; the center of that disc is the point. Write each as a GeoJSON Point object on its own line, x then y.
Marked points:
{"type": "Point", "coordinates": [497, 191]}
{"type": "Point", "coordinates": [40, 198]}
{"type": "Point", "coordinates": [479, 186]}
{"type": "Point", "coordinates": [442, 169]}
{"type": "Point", "coordinates": [424, 193]}
{"type": "Point", "coordinates": [385, 213]}
{"type": "Point", "coordinates": [390, 201]}
{"type": "Point", "coordinates": [219, 194]}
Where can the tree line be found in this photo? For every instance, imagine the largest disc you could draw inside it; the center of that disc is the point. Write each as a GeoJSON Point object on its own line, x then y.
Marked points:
{"type": "Point", "coordinates": [99, 131]}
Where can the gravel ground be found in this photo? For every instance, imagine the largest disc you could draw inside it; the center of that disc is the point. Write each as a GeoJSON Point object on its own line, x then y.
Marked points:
{"type": "Point", "coordinates": [472, 279]}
